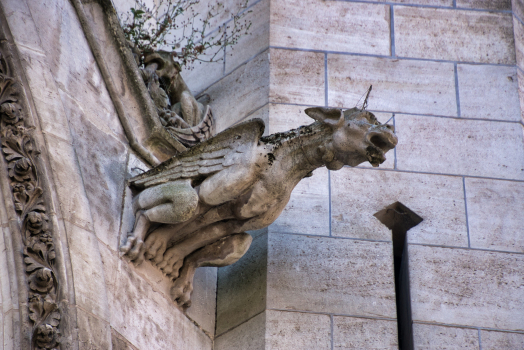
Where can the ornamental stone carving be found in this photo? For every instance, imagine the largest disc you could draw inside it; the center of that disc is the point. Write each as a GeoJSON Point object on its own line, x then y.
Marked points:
{"type": "Point", "coordinates": [18, 148]}
{"type": "Point", "coordinates": [187, 119]}
{"type": "Point", "coordinates": [193, 210]}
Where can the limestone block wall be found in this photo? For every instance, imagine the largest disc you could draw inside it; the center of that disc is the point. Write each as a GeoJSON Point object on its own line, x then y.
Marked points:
{"type": "Point", "coordinates": [450, 75]}
{"type": "Point", "coordinates": [321, 277]}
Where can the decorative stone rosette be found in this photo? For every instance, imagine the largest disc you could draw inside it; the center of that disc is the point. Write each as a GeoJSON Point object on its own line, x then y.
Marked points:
{"type": "Point", "coordinates": [39, 253]}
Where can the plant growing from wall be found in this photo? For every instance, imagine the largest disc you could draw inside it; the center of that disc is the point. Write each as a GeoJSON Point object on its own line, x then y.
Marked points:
{"type": "Point", "coordinates": [176, 26]}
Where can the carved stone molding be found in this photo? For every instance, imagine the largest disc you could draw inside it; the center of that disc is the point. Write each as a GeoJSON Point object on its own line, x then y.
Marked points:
{"type": "Point", "coordinates": [20, 155]}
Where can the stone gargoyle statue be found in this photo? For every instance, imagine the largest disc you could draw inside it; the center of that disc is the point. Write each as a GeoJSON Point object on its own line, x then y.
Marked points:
{"type": "Point", "coordinates": [187, 118]}
{"type": "Point", "coordinates": [193, 210]}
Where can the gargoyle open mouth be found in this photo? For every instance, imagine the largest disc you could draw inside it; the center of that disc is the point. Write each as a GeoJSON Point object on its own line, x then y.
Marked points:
{"type": "Point", "coordinates": [380, 143]}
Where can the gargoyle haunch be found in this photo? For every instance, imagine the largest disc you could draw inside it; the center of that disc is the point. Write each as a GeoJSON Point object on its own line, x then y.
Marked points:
{"type": "Point", "coordinates": [193, 210]}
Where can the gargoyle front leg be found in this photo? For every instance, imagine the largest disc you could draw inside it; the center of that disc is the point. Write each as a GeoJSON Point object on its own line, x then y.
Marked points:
{"type": "Point", "coordinates": [221, 253]}
{"type": "Point", "coordinates": [173, 258]}
{"type": "Point", "coordinates": [168, 203]}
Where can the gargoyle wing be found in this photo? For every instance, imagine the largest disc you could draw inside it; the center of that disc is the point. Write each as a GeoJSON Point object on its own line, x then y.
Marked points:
{"type": "Point", "coordinates": [206, 158]}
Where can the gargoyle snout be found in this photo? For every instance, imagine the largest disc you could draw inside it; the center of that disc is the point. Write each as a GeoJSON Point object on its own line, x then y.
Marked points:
{"type": "Point", "coordinates": [383, 139]}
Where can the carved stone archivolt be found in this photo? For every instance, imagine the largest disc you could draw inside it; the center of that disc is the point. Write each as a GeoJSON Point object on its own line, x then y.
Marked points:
{"type": "Point", "coordinates": [193, 210]}
{"type": "Point", "coordinates": [19, 151]}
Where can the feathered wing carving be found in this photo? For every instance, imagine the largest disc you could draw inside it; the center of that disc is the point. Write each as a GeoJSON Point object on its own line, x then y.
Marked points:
{"type": "Point", "coordinates": [207, 158]}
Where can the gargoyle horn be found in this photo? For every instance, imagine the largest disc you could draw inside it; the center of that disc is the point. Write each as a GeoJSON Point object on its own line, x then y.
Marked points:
{"type": "Point", "coordinates": [331, 116]}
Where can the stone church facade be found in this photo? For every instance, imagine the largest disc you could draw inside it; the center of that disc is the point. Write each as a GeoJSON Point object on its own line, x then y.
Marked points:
{"type": "Point", "coordinates": [76, 124]}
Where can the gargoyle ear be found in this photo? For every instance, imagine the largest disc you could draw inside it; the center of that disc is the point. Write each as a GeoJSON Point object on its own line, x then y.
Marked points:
{"type": "Point", "coordinates": [331, 116]}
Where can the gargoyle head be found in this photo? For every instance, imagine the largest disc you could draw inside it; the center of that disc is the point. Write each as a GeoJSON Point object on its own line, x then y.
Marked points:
{"type": "Point", "coordinates": [163, 64]}
{"type": "Point", "coordinates": [357, 137]}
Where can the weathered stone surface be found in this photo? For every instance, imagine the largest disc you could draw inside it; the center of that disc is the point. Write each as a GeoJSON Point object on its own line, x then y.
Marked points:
{"type": "Point", "coordinates": [520, 75]}
{"type": "Point", "coordinates": [250, 335]}
{"type": "Point", "coordinates": [495, 214]}
{"type": "Point", "coordinates": [241, 289]}
{"type": "Point", "coordinates": [257, 39]}
{"type": "Point", "coordinates": [495, 96]}
{"type": "Point", "coordinates": [88, 271]}
{"type": "Point", "coordinates": [398, 85]}
{"type": "Point", "coordinates": [501, 340]}
{"type": "Point", "coordinates": [307, 211]}
{"type": "Point", "coordinates": [67, 178]}
{"type": "Point", "coordinates": [364, 333]}
{"type": "Point", "coordinates": [74, 69]}
{"type": "Point", "coordinates": [446, 3]}
{"type": "Point", "coordinates": [102, 161]}
{"type": "Point", "coordinates": [143, 314]}
{"type": "Point", "coordinates": [480, 148]}
{"type": "Point", "coordinates": [283, 117]}
{"type": "Point", "coordinates": [518, 28]}
{"type": "Point", "coordinates": [466, 287]}
{"type": "Point", "coordinates": [120, 343]}
{"type": "Point", "coordinates": [467, 36]}
{"type": "Point", "coordinates": [203, 306]}
{"type": "Point", "coordinates": [297, 77]}
{"type": "Point", "coordinates": [204, 74]}
{"type": "Point", "coordinates": [330, 275]}
{"type": "Point", "coordinates": [331, 25]}
{"type": "Point", "coordinates": [485, 4]}
{"type": "Point", "coordinates": [357, 194]}
{"type": "Point", "coordinates": [45, 94]}
{"type": "Point", "coordinates": [261, 113]}
{"type": "Point", "coordinates": [517, 7]}
{"type": "Point", "coordinates": [296, 330]}
{"type": "Point", "coordinates": [93, 333]}
{"type": "Point", "coordinates": [21, 24]}
{"type": "Point", "coordinates": [240, 92]}
{"type": "Point", "coordinates": [432, 337]}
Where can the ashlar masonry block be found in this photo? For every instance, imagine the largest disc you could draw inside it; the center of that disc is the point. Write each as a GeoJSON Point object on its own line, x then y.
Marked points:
{"type": "Point", "coordinates": [241, 92]}
{"type": "Point", "coordinates": [331, 26]}
{"type": "Point", "coordinates": [398, 85]}
{"type": "Point", "coordinates": [308, 208]}
{"type": "Point", "coordinates": [330, 275]}
{"type": "Point", "coordinates": [253, 43]}
{"type": "Point", "coordinates": [241, 288]}
{"type": "Point", "coordinates": [364, 333]}
{"type": "Point", "coordinates": [454, 35]}
{"type": "Point", "coordinates": [250, 335]}
{"type": "Point", "coordinates": [467, 287]}
{"type": "Point", "coordinates": [495, 214]}
{"type": "Point", "coordinates": [518, 27]}
{"type": "Point", "coordinates": [485, 4]}
{"type": "Point", "coordinates": [357, 194]}
{"type": "Point", "coordinates": [297, 77]}
{"type": "Point", "coordinates": [470, 147]}
{"type": "Point", "coordinates": [136, 312]}
{"type": "Point", "coordinates": [296, 330]}
{"type": "Point", "coordinates": [493, 96]}
{"type": "Point", "coordinates": [501, 340]}
{"type": "Point", "coordinates": [427, 336]}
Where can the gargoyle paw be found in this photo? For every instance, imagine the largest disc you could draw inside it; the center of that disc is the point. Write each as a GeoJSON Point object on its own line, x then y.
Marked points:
{"type": "Point", "coordinates": [181, 292]}
{"type": "Point", "coordinates": [155, 248]}
{"type": "Point", "coordinates": [134, 249]}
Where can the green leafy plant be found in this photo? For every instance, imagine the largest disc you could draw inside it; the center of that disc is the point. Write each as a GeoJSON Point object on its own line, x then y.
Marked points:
{"type": "Point", "coordinates": [176, 26]}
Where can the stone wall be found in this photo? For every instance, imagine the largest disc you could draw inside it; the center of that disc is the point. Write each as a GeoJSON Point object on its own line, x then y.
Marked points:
{"type": "Point", "coordinates": [107, 301]}
{"type": "Point", "coordinates": [321, 277]}
{"type": "Point", "coordinates": [449, 73]}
